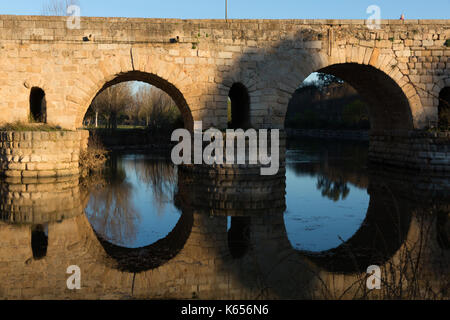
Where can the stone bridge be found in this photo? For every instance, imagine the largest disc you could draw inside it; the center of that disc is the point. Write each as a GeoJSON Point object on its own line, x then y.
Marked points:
{"type": "Point", "coordinates": [52, 73]}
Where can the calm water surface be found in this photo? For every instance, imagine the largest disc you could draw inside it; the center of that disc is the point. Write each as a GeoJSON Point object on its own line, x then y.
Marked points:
{"type": "Point", "coordinates": [135, 207]}
{"type": "Point", "coordinates": [325, 203]}
{"type": "Point", "coordinates": [144, 228]}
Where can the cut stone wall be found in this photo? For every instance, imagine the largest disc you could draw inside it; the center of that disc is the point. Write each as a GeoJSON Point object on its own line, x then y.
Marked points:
{"type": "Point", "coordinates": [420, 150]}
{"type": "Point", "coordinates": [402, 66]}
{"type": "Point", "coordinates": [38, 154]}
{"type": "Point", "coordinates": [399, 69]}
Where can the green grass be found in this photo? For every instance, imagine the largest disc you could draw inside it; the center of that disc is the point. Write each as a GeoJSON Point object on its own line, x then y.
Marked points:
{"type": "Point", "coordinates": [21, 126]}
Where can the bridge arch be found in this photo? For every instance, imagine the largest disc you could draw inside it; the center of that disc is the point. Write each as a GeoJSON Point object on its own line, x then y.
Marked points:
{"type": "Point", "coordinates": [393, 100]}
{"type": "Point", "coordinates": [153, 80]}
{"type": "Point", "coordinates": [389, 107]}
{"type": "Point", "coordinates": [143, 67]}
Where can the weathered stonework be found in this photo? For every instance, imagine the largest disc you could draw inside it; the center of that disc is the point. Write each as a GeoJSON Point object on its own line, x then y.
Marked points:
{"type": "Point", "coordinates": [405, 61]}
{"type": "Point", "coordinates": [38, 154]}
{"type": "Point", "coordinates": [398, 69]}
{"type": "Point", "coordinates": [418, 150]}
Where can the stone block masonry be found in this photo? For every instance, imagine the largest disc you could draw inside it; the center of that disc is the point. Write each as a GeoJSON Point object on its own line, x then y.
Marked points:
{"type": "Point", "coordinates": [270, 58]}
{"type": "Point", "coordinates": [38, 154]}
{"type": "Point", "coordinates": [399, 70]}
{"type": "Point", "coordinates": [417, 150]}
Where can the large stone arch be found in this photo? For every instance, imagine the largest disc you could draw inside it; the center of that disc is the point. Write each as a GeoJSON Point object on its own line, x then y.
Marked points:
{"type": "Point", "coordinates": [142, 67]}
{"type": "Point", "coordinates": [373, 72]}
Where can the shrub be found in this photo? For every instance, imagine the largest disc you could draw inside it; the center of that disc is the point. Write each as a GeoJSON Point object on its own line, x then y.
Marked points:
{"type": "Point", "coordinates": [94, 157]}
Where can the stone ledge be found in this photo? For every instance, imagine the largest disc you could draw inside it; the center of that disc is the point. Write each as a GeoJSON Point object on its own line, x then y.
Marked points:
{"type": "Point", "coordinates": [229, 21]}
{"type": "Point", "coordinates": [418, 150]}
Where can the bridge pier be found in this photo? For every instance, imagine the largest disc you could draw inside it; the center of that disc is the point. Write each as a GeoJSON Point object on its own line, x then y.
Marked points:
{"type": "Point", "coordinates": [41, 154]}
{"type": "Point", "coordinates": [416, 150]}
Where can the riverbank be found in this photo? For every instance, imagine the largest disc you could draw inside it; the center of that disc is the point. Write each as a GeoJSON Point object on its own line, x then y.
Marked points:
{"type": "Point", "coordinates": [131, 140]}
{"type": "Point", "coordinates": [359, 135]}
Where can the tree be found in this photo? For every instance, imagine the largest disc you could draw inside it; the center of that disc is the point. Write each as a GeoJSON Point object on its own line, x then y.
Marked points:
{"type": "Point", "coordinates": [132, 111]}
{"type": "Point", "coordinates": [355, 114]}
{"type": "Point", "coordinates": [120, 104]}
{"type": "Point", "coordinates": [325, 79]}
{"type": "Point", "coordinates": [161, 177]}
{"type": "Point", "coordinates": [92, 114]}
{"type": "Point", "coordinates": [157, 108]}
{"type": "Point", "coordinates": [333, 189]}
{"type": "Point", "coordinates": [144, 103]}
{"type": "Point", "coordinates": [112, 102]}
{"type": "Point", "coordinates": [58, 7]}
{"type": "Point", "coordinates": [111, 210]}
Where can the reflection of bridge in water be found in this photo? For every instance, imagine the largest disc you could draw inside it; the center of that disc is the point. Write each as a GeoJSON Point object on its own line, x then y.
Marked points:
{"type": "Point", "coordinates": [201, 259]}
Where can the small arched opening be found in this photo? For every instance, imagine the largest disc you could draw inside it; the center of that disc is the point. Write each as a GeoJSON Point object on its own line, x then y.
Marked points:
{"type": "Point", "coordinates": [444, 109]}
{"type": "Point", "coordinates": [38, 106]}
{"type": "Point", "coordinates": [238, 107]}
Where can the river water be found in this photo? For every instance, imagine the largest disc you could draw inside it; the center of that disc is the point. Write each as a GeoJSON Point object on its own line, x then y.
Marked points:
{"type": "Point", "coordinates": [145, 220]}
{"type": "Point", "coordinates": [322, 209]}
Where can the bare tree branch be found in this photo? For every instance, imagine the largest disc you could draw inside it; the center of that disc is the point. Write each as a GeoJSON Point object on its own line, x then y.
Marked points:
{"type": "Point", "coordinates": [57, 7]}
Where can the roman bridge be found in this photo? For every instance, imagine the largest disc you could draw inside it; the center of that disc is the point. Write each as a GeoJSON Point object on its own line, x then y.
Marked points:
{"type": "Point", "coordinates": [52, 73]}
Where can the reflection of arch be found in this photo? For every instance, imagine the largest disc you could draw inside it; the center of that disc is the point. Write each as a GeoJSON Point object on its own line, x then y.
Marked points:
{"type": "Point", "coordinates": [381, 234]}
{"type": "Point", "coordinates": [240, 106]}
{"type": "Point", "coordinates": [389, 108]}
{"type": "Point", "coordinates": [151, 79]}
{"type": "Point", "coordinates": [141, 259]}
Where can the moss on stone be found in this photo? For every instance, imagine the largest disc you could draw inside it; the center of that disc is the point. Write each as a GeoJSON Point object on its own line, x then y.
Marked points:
{"type": "Point", "coordinates": [21, 127]}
